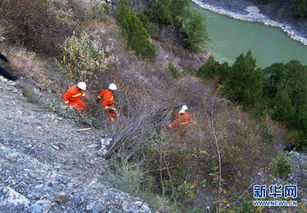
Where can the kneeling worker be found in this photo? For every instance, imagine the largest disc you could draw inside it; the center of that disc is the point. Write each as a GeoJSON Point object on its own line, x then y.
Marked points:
{"type": "Point", "coordinates": [182, 121]}
{"type": "Point", "coordinates": [73, 96]}
{"type": "Point", "coordinates": [108, 102]}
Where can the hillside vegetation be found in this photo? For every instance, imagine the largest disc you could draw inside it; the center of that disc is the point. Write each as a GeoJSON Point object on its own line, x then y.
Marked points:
{"type": "Point", "coordinates": [297, 7]}
{"type": "Point", "coordinates": [235, 140]}
{"type": "Point", "coordinates": [279, 90]}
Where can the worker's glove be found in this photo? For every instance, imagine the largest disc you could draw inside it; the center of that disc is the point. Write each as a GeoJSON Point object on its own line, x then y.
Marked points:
{"type": "Point", "coordinates": [97, 100]}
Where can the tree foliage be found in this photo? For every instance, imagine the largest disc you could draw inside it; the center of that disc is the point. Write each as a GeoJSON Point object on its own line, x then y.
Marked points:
{"type": "Point", "coordinates": [286, 89]}
{"type": "Point", "coordinates": [82, 57]}
{"type": "Point", "coordinates": [190, 26]}
{"type": "Point", "coordinates": [244, 82]}
{"type": "Point", "coordinates": [194, 35]}
{"type": "Point", "coordinates": [280, 89]}
{"type": "Point", "coordinates": [133, 30]}
{"type": "Point", "coordinates": [213, 69]}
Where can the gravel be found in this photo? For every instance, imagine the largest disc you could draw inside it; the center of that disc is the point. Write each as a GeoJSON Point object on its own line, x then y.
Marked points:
{"type": "Point", "coordinates": [46, 165]}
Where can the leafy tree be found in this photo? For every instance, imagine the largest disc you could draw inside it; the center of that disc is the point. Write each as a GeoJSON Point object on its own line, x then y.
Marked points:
{"type": "Point", "coordinates": [292, 78]}
{"type": "Point", "coordinates": [160, 11]}
{"type": "Point", "coordinates": [168, 11]}
{"type": "Point", "coordinates": [244, 82]}
{"type": "Point", "coordinates": [190, 26]}
{"type": "Point", "coordinates": [180, 10]}
{"type": "Point", "coordinates": [134, 31]}
{"type": "Point", "coordinates": [152, 28]}
{"type": "Point", "coordinates": [194, 32]}
{"type": "Point", "coordinates": [286, 88]}
{"type": "Point", "coordinates": [213, 69]}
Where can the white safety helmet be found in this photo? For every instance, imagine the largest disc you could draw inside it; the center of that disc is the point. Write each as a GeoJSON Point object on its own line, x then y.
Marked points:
{"type": "Point", "coordinates": [183, 109]}
{"type": "Point", "coordinates": [112, 86]}
{"type": "Point", "coordinates": [82, 85]}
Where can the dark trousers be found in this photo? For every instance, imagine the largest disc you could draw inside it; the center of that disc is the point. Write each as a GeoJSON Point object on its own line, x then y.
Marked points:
{"type": "Point", "coordinates": [7, 75]}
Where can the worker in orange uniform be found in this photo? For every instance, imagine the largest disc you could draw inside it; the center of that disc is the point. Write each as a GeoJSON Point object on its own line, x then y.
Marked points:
{"type": "Point", "coordinates": [73, 95]}
{"type": "Point", "coordinates": [182, 121]}
{"type": "Point", "coordinates": [108, 102]}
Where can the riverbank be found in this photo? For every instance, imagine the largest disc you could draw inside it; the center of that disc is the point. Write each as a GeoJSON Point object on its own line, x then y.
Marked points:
{"type": "Point", "coordinates": [246, 11]}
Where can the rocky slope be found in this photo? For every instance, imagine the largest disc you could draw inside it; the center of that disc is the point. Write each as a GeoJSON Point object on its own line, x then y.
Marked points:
{"type": "Point", "coordinates": [47, 164]}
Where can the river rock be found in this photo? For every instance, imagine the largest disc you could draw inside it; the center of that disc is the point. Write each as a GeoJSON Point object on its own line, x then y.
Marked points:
{"type": "Point", "coordinates": [106, 141]}
{"type": "Point", "coordinates": [95, 207]}
{"type": "Point", "coordinates": [9, 196]}
{"type": "Point", "coordinates": [125, 205]}
{"type": "Point", "coordinates": [40, 206]}
{"type": "Point", "coordinates": [61, 197]}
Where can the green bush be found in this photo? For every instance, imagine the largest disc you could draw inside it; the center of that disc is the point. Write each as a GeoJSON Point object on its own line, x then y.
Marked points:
{"type": "Point", "coordinates": [83, 57]}
{"type": "Point", "coordinates": [133, 30]}
{"type": "Point", "coordinates": [281, 165]}
{"type": "Point", "coordinates": [100, 10]}
{"type": "Point", "coordinates": [131, 177]}
{"type": "Point", "coordinates": [168, 11]}
{"type": "Point", "coordinates": [174, 71]}
{"type": "Point", "coordinates": [159, 11]}
{"type": "Point", "coordinates": [266, 133]}
{"type": "Point", "coordinates": [245, 206]}
{"type": "Point", "coordinates": [152, 28]}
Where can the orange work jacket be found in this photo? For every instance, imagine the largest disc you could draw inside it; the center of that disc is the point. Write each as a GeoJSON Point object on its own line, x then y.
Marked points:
{"type": "Point", "coordinates": [73, 95]}
{"type": "Point", "coordinates": [182, 119]}
{"type": "Point", "coordinates": [108, 98]}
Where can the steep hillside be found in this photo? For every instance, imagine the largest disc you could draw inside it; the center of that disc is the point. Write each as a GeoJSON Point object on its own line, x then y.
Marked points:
{"type": "Point", "coordinates": [49, 164]}
{"type": "Point", "coordinates": [55, 160]}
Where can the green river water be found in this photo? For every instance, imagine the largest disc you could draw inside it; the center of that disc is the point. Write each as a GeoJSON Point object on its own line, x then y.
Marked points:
{"type": "Point", "coordinates": [229, 38]}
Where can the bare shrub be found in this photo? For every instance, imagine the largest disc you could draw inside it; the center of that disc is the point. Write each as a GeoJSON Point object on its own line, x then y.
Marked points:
{"type": "Point", "coordinates": [31, 23]}
{"type": "Point", "coordinates": [137, 123]}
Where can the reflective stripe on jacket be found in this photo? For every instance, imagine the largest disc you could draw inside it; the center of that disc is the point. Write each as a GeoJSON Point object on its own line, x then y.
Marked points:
{"type": "Point", "coordinates": [182, 119]}
{"type": "Point", "coordinates": [108, 98]}
{"type": "Point", "coordinates": [73, 94]}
